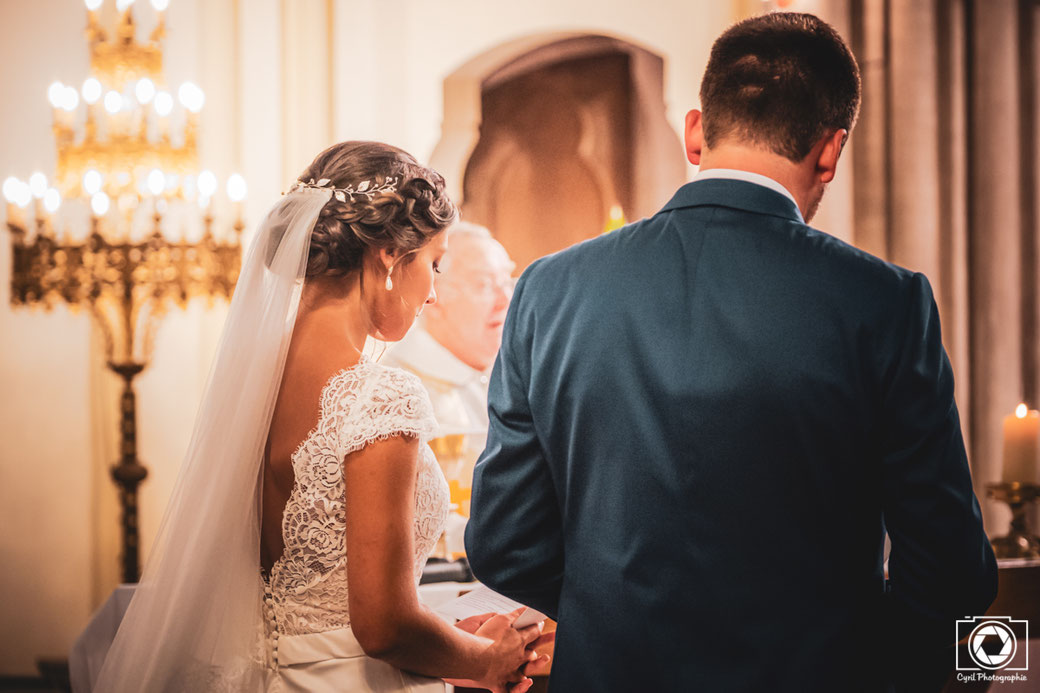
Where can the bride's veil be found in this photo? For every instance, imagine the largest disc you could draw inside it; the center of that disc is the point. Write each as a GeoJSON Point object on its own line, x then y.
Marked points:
{"type": "Point", "coordinates": [195, 622]}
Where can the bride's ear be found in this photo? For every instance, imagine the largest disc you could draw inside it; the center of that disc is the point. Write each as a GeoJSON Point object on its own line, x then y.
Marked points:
{"type": "Point", "coordinates": [387, 258]}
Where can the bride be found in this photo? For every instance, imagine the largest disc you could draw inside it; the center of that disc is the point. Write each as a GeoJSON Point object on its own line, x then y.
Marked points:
{"type": "Point", "coordinates": [308, 501]}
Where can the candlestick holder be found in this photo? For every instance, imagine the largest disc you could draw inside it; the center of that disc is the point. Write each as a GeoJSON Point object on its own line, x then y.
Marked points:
{"type": "Point", "coordinates": [120, 159]}
{"type": "Point", "coordinates": [1019, 542]}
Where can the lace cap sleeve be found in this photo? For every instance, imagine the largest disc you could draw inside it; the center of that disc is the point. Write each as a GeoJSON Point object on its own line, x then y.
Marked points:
{"type": "Point", "coordinates": [386, 402]}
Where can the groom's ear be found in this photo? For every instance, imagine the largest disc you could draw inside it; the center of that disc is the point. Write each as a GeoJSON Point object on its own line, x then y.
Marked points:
{"type": "Point", "coordinates": [694, 136]}
{"type": "Point", "coordinates": [829, 151]}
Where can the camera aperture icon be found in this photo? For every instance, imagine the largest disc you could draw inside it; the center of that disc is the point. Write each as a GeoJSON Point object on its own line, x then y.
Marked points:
{"type": "Point", "coordinates": [992, 644]}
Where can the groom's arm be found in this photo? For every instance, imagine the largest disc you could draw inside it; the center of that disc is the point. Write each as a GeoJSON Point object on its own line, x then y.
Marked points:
{"type": "Point", "coordinates": [941, 566]}
{"type": "Point", "coordinates": [513, 539]}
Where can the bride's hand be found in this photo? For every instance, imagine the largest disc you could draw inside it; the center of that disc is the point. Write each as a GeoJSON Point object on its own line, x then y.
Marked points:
{"type": "Point", "coordinates": [471, 624]}
{"type": "Point", "coordinates": [507, 653]}
{"type": "Point", "coordinates": [539, 666]}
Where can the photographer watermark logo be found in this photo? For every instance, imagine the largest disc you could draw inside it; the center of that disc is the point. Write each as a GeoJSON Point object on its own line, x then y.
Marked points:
{"type": "Point", "coordinates": [991, 646]}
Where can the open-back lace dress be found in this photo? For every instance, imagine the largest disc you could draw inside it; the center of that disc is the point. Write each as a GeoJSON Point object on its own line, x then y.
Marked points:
{"type": "Point", "coordinates": [310, 646]}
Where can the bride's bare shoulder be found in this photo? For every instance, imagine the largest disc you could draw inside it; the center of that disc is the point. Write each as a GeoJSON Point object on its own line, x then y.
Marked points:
{"type": "Point", "coordinates": [307, 372]}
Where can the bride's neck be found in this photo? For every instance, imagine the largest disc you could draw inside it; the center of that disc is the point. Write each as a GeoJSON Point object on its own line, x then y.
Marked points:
{"type": "Point", "coordinates": [332, 315]}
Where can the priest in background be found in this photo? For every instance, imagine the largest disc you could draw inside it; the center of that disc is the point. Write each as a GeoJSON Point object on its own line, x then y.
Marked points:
{"type": "Point", "coordinates": [452, 348]}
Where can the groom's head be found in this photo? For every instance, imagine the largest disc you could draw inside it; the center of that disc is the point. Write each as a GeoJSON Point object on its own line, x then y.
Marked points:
{"type": "Point", "coordinates": [780, 81]}
{"type": "Point", "coordinates": [784, 86]}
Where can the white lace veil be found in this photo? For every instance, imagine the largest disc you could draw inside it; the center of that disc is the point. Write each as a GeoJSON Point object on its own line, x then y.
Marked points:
{"type": "Point", "coordinates": [195, 622]}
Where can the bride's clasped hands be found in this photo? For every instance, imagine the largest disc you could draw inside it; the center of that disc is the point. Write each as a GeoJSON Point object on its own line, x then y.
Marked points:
{"type": "Point", "coordinates": [510, 666]}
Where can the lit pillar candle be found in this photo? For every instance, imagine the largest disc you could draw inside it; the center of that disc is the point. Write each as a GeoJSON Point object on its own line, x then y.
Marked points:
{"type": "Point", "coordinates": [236, 191]}
{"type": "Point", "coordinates": [1022, 445]}
{"type": "Point", "coordinates": [55, 94]}
{"type": "Point", "coordinates": [18, 196]}
{"type": "Point", "coordinates": [14, 216]}
{"type": "Point", "coordinates": [163, 105]}
{"type": "Point", "coordinates": [99, 203]}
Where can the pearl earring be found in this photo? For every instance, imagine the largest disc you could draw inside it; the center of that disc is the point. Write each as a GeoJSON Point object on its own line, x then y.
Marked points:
{"type": "Point", "coordinates": [389, 281]}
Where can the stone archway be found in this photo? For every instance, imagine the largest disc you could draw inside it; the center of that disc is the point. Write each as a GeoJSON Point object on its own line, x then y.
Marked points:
{"type": "Point", "coordinates": [548, 139]}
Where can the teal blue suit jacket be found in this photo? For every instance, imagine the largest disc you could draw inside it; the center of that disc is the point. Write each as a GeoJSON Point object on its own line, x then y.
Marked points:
{"type": "Point", "coordinates": [702, 425]}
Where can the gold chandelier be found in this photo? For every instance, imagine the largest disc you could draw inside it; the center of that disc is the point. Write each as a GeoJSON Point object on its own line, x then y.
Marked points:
{"type": "Point", "coordinates": [125, 228]}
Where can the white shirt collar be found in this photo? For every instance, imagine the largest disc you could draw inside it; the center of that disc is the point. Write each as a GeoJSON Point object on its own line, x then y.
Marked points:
{"type": "Point", "coordinates": [747, 176]}
{"type": "Point", "coordinates": [427, 357]}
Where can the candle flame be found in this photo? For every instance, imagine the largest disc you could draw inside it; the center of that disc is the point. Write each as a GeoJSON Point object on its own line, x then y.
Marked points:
{"type": "Point", "coordinates": [1021, 410]}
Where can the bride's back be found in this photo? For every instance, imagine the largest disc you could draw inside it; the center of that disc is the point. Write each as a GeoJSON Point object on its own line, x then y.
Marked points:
{"type": "Point", "coordinates": [312, 360]}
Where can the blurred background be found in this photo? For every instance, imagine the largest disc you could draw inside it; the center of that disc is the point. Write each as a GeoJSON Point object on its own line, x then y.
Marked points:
{"type": "Point", "coordinates": [552, 122]}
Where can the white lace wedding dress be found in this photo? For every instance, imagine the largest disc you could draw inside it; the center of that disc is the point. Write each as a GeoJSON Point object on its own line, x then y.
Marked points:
{"type": "Point", "coordinates": [310, 646]}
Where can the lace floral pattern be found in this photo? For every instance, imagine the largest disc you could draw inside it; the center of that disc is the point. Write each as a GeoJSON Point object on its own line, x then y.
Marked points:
{"type": "Point", "coordinates": [360, 405]}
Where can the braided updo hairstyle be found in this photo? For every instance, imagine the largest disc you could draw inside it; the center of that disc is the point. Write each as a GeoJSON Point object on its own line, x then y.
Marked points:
{"type": "Point", "coordinates": [400, 222]}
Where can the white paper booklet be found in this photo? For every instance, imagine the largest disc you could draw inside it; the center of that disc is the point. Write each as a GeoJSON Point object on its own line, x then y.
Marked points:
{"type": "Point", "coordinates": [484, 600]}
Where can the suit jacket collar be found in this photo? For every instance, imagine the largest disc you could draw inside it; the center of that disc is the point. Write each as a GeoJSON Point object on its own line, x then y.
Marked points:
{"type": "Point", "coordinates": [736, 194]}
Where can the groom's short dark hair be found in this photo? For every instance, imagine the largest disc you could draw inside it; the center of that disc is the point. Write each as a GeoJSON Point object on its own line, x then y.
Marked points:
{"type": "Point", "coordinates": [780, 80]}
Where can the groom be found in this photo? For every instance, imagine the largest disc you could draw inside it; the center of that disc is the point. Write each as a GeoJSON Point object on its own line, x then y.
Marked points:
{"type": "Point", "coordinates": [703, 424]}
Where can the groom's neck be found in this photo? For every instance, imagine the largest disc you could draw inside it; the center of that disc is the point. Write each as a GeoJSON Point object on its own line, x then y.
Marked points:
{"type": "Point", "coordinates": [795, 176]}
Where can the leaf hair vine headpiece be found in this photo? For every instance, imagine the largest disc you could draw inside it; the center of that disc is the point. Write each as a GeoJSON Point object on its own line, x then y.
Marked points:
{"type": "Point", "coordinates": [363, 189]}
